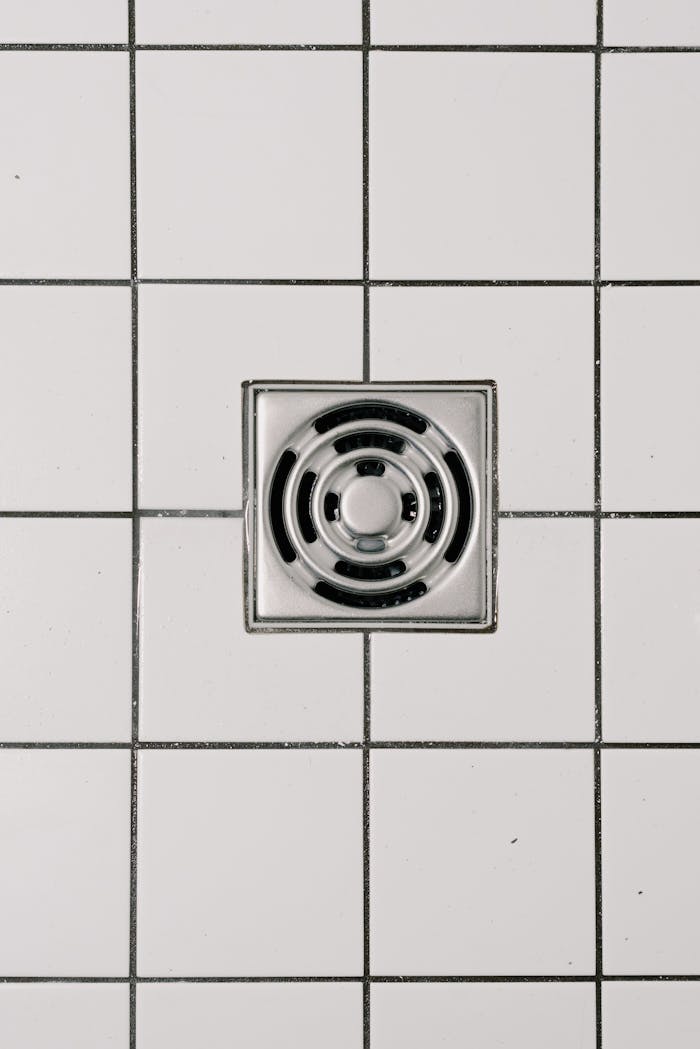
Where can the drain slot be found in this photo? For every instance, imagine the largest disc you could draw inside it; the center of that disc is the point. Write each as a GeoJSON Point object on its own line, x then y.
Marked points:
{"type": "Point", "coordinates": [306, 487]}
{"type": "Point", "coordinates": [369, 439]}
{"type": "Point", "coordinates": [353, 599]}
{"type": "Point", "coordinates": [464, 512]}
{"type": "Point", "coordinates": [437, 507]}
{"type": "Point", "coordinates": [409, 505]}
{"type": "Point", "coordinates": [389, 570]}
{"type": "Point", "coordinates": [371, 410]}
{"type": "Point", "coordinates": [279, 483]}
{"type": "Point", "coordinates": [331, 506]}
{"type": "Point", "coordinates": [370, 468]}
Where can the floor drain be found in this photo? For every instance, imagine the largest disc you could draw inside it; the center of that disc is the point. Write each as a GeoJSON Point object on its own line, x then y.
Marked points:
{"type": "Point", "coordinates": [370, 506]}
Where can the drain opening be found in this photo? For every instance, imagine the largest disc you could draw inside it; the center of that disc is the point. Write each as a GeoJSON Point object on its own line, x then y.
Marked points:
{"type": "Point", "coordinates": [464, 511]}
{"type": "Point", "coordinates": [279, 483]}
{"type": "Point", "coordinates": [369, 439]}
{"type": "Point", "coordinates": [370, 468]}
{"type": "Point", "coordinates": [389, 570]}
{"type": "Point", "coordinates": [409, 505]}
{"type": "Point", "coordinates": [306, 524]}
{"type": "Point", "coordinates": [353, 599]}
{"type": "Point", "coordinates": [437, 507]}
{"type": "Point", "coordinates": [331, 506]}
{"type": "Point", "coordinates": [371, 410]}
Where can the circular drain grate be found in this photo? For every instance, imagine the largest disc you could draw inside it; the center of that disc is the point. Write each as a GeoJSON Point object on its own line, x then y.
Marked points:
{"type": "Point", "coordinates": [370, 505]}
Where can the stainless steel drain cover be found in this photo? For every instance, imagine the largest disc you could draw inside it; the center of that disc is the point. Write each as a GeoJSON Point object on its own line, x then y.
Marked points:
{"type": "Point", "coordinates": [370, 506]}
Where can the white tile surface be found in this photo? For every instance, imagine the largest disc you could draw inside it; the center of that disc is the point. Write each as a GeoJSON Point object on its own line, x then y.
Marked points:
{"type": "Point", "coordinates": [650, 213]}
{"type": "Point", "coordinates": [471, 22]}
{"type": "Point", "coordinates": [650, 1014]}
{"type": "Point", "coordinates": [651, 630]}
{"type": "Point", "coordinates": [532, 679]}
{"type": "Point", "coordinates": [537, 343]}
{"type": "Point", "coordinates": [64, 885]}
{"type": "Point", "coordinates": [258, 854]}
{"type": "Point", "coordinates": [492, 1016]}
{"type": "Point", "coordinates": [235, 21]}
{"type": "Point", "coordinates": [648, 23]}
{"type": "Point", "coordinates": [204, 678]}
{"type": "Point", "coordinates": [64, 1016]}
{"type": "Point", "coordinates": [650, 377]}
{"type": "Point", "coordinates": [258, 1016]}
{"type": "Point", "coordinates": [65, 630]}
{"type": "Point", "coordinates": [481, 862]}
{"type": "Point", "coordinates": [63, 21]}
{"type": "Point", "coordinates": [481, 165]}
{"type": "Point", "coordinates": [196, 345]}
{"type": "Point", "coordinates": [64, 124]}
{"type": "Point", "coordinates": [65, 398]}
{"type": "Point", "coordinates": [268, 144]}
{"type": "Point", "coordinates": [651, 861]}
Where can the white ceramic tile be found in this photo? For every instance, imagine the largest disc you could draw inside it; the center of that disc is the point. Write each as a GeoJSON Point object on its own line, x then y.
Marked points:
{"type": "Point", "coordinates": [650, 377]}
{"type": "Point", "coordinates": [65, 398]}
{"type": "Point", "coordinates": [63, 21]}
{"type": "Point", "coordinates": [64, 124]}
{"type": "Point", "coordinates": [651, 630]}
{"type": "Point", "coordinates": [537, 343]}
{"type": "Point", "coordinates": [235, 21]}
{"type": "Point", "coordinates": [482, 862]}
{"type": "Point", "coordinates": [532, 679]}
{"type": "Point", "coordinates": [649, 23]}
{"type": "Point", "coordinates": [481, 165]}
{"type": "Point", "coordinates": [64, 1016]}
{"type": "Point", "coordinates": [472, 22]}
{"type": "Point", "coordinates": [250, 863]}
{"type": "Point", "coordinates": [65, 630]}
{"type": "Point", "coordinates": [490, 1016]}
{"type": "Point", "coordinates": [64, 883]}
{"type": "Point", "coordinates": [204, 678]}
{"type": "Point", "coordinates": [196, 346]}
{"type": "Point", "coordinates": [257, 1016]}
{"type": "Point", "coordinates": [647, 1015]}
{"type": "Point", "coordinates": [249, 164]}
{"type": "Point", "coordinates": [650, 212]}
{"type": "Point", "coordinates": [651, 866]}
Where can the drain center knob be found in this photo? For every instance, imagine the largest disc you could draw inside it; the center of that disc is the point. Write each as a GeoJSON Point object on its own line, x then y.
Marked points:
{"type": "Point", "coordinates": [370, 506]}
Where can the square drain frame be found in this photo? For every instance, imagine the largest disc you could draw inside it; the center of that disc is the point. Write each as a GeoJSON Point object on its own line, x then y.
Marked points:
{"type": "Point", "coordinates": [301, 439]}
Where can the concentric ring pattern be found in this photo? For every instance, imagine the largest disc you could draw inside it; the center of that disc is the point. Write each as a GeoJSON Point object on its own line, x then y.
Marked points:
{"type": "Point", "coordinates": [370, 505]}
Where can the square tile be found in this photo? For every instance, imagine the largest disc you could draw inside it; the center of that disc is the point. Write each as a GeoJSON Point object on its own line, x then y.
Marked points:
{"type": "Point", "coordinates": [492, 1016]}
{"type": "Point", "coordinates": [64, 211]}
{"type": "Point", "coordinates": [258, 854]}
{"type": "Point", "coordinates": [481, 165]}
{"type": "Point", "coordinates": [531, 680]}
{"type": "Point", "coordinates": [196, 345]}
{"type": "Point", "coordinates": [257, 1015]}
{"type": "Point", "coordinates": [64, 1016]}
{"type": "Point", "coordinates": [238, 22]}
{"type": "Point", "coordinates": [204, 678]}
{"type": "Point", "coordinates": [651, 656]}
{"type": "Point", "coordinates": [650, 433]}
{"type": "Point", "coordinates": [537, 343]}
{"type": "Point", "coordinates": [64, 898]}
{"type": "Point", "coordinates": [65, 630]}
{"type": "Point", "coordinates": [647, 23]}
{"type": "Point", "coordinates": [650, 1014]}
{"type": "Point", "coordinates": [482, 862]}
{"type": "Point", "coordinates": [376, 506]}
{"type": "Point", "coordinates": [250, 164]}
{"type": "Point", "coordinates": [472, 22]}
{"type": "Point", "coordinates": [650, 212]}
{"type": "Point", "coordinates": [64, 22]}
{"type": "Point", "coordinates": [651, 862]}
{"type": "Point", "coordinates": [66, 398]}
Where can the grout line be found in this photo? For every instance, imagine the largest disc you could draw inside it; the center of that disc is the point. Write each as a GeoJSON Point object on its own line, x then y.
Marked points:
{"type": "Point", "coordinates": [378, 744]}
{"type": "Point", "coordinates": [135, 531]}
{"type": "Point", "coordinates": [493, 48]}
{"type": "Point", "coordinates": [486, 978]}
{"type": "Point", "coordinates": [597, 499]}
{"type": "Point", "coordinates": [341, 282]}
